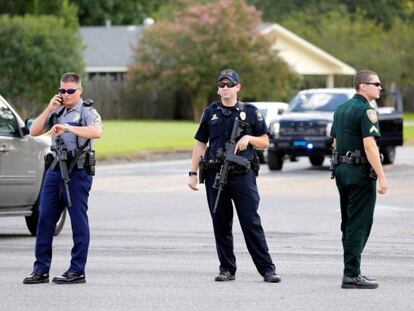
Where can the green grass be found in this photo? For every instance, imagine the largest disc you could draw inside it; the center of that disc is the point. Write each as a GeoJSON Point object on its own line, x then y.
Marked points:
{"type": "Point", "coordinates": [408, 129]}
{"type": "Point", "coordinates": [409, 116]}
{"type": "Point", "coordinates": [408, 135]}
{"type": "Point", "coordinates": [122, 137]}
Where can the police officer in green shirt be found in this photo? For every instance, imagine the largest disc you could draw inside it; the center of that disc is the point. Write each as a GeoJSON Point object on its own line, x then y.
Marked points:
{"type": "Point", "coordinates": [357, 169]}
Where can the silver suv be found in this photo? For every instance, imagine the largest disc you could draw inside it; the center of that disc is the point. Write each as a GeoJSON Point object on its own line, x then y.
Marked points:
{"type": "Point", "coordinates": [22, 168]}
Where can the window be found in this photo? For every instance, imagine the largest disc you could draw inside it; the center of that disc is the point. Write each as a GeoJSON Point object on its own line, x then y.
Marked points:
{"type": "Point", "coordinates": [8, 122]}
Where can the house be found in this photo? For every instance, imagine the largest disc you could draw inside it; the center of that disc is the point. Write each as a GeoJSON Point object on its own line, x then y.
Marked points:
{"type": "Point", "coordinates": [303, 57]}
{"type": "Point", "coordinates": [109, 50]}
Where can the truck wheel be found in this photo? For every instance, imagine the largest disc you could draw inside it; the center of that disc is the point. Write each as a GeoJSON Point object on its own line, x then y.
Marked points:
{"type": "Point", "coordinates": [274, 161]}
{"type": "Point", "coordinates": [316, 160]}
{"type": "Point", "coordinates": [32, 220]}
{"type": "Point", "coordinates": [389, 154]}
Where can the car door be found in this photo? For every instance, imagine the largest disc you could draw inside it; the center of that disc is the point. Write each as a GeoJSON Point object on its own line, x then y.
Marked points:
{"type": "Point", "coordinates": [18, 161]}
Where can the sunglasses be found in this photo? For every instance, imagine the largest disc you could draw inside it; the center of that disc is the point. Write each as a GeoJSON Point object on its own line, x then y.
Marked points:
{"type": "Point", "coordinates": [228, 84]}
{"type": "Point", "coordinates": [377, 84]}
{"type": "Point", "coordinates": [69, 91]}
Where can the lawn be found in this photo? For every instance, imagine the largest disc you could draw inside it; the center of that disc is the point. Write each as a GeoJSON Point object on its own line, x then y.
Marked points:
{"type": "Point", "coordinates": [409, 116]}
{"type": "Point", "coordinates": [409, 128]}
{"type": "Point", "coordinates": [123, 137]}
{"type": "Point", "coordinates": [128, 137]}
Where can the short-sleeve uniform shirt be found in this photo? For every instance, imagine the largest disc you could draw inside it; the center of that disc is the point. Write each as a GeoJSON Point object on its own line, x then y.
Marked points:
{"type": "Point", "coordinates": [353, 121]}
{"type": "Point", "coordinates": [218, 120]}
{"type": "Point", "coordinates": [76, 116]}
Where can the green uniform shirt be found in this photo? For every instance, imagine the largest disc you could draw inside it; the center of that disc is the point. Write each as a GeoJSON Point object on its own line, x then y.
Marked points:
{"type": "Point", "coordinates": [353, 121]}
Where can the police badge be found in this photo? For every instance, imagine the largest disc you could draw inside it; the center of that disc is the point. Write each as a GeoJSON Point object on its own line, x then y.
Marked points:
{"type": "Point", "coordinates": [242, 115]}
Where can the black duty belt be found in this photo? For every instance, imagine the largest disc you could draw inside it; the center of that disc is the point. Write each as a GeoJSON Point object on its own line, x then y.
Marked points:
{"type": "Point", "coordinates": [352, 159]}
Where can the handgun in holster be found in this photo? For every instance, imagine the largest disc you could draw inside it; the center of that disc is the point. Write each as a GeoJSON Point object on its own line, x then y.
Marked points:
{"type": "Point", "coordinates": [334, 163]}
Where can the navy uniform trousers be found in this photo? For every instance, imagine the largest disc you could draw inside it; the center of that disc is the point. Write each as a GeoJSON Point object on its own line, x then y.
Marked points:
{"type": "Point", "coordinates": [242, 190]}
{"type": "Point", "coordinates": [357, 195]}
{"type": "Point", "coordinates": [52, 203]}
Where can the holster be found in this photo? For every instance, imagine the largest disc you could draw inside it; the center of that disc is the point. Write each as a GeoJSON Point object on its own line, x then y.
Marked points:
{"type": "Point", "coordinates": [90, 161]}
{"type": "Point", "coordinates": [255, 164]}
{"type": "Point", "coordinates": [49, 158]}
{"type": "Point", "coordinates": [334, 163]}
{"type": "Point", "coordinates": [202, 170]}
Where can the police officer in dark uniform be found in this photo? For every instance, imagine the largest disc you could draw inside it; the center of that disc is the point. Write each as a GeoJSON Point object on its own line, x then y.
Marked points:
{"type": "Point", "coordinates": [357, 166]}
{"type": "Point", "coordinates": [76, 123]}
{"type": "Point", "coordinates": [215, 130]}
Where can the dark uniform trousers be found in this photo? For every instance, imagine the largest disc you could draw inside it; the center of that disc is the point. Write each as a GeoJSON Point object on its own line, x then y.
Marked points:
{"type": "Point", "coordinates": [357, 196]}
{"type": "Point", "coordinates": [52, 203]}
{"type": "Point", "coordinates": [242, 190]}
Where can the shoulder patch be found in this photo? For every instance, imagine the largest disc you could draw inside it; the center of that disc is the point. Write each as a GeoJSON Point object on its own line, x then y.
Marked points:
{"type": "Point", "coordinates": [372, 115]}
{"type": "Point", "coordinates": [373, 129]}
{"type": "Point", "coordinates": [259, 115]}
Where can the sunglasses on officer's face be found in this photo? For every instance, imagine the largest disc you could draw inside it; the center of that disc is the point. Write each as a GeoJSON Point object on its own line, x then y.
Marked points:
{"type": "Point", "coordinates": [228, 84]}
{"type": "Point", "coordinates": [377, 84]}
{"type": "Point", "coordinates": [69, 91]}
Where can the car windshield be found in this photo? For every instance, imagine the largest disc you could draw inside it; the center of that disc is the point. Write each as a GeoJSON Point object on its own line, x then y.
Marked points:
{"type": "Point", "coordinates": [317, 102]}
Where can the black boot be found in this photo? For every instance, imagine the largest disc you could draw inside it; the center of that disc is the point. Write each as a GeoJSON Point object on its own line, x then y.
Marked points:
{"type": "Point", "coordinates": [69, 277]}
{"type": "Point", "coordinates": [272, 277]}
{"type": "Point", "coordinates": [359, 281]}
{"type": "Point", "coordinates": [37, 278]}
{"type": "Point", "coordinates": [225, 276]}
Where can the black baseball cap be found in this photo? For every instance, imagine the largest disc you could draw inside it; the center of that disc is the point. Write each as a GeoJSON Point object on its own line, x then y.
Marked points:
{"type": "Point", "coordinates": [230, 74]}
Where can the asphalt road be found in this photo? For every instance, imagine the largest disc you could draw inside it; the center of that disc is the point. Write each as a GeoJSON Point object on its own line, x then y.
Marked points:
{"type": "Point", "coordinates": [152, 246]}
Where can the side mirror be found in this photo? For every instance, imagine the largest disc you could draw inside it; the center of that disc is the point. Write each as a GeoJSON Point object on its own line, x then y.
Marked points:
{"type": "Point", "coordinates": [28, 122]}
{"type": "Point", "coordinates": [27, 125]}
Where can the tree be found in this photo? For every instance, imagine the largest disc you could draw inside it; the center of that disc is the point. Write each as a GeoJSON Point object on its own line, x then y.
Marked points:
{"type": "Point", "coordinates": [36, 51]}
{"type": "Point", "coordinates": [62, 8]}
{"type": "Point", "coordinates": [361, 43]}
{"type": "Point", "coordinates": [189, 49]}
{"type": "Point", "coordinates": [381, 12]}
{"type": "Point", "coordinates": [57, 8]}
{"type": "Point", "coordinates": [119, 12]}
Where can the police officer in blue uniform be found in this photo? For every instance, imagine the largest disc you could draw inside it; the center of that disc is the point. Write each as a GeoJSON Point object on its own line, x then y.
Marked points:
{"type": "Point", "coordinates": [357, 166]}
{"type": "Point", "coordinates": [215, 130]}
{"type": "Point", "coordinates": [78, 123]}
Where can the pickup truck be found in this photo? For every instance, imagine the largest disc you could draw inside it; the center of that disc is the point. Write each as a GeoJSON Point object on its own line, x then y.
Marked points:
{"type": "Point", "coordinates": [304, 129]}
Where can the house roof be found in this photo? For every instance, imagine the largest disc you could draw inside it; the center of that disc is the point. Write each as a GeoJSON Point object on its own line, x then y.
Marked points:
{"type": "Point", "coordinates": [302, 56]}
{"type": "Point", "coordinates": [109, 48]}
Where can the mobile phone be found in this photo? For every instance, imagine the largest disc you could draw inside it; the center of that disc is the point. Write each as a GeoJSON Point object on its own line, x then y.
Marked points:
{"type": "Point", "coordinates": [61, 99]}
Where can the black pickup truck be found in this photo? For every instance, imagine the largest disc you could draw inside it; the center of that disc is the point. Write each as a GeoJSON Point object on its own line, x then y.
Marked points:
{"type": "Point", "coordinates": [304, 129]}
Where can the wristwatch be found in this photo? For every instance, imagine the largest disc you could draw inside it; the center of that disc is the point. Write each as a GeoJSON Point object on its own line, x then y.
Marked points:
{"type": "Point", "coordinates": [191, 173]}
{"type": "Point", "coordinates": [66, 128]}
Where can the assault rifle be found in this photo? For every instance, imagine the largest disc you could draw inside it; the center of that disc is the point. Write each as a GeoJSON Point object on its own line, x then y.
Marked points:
{"type": "Point", "coordinates": [230, 159]}
{"type": "Point", "coordinates": [61, 153]}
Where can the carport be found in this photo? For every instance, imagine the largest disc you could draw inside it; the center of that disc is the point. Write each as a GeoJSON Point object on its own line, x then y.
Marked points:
{"type": "Point", "coordinates": [304, 57]}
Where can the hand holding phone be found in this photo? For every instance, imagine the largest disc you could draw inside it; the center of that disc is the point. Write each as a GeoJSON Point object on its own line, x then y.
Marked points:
{"type": "Point", "coordinates": [55, 102]}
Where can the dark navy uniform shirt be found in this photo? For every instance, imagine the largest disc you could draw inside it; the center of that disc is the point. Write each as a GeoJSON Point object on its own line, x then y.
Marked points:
{"type": "Point", "coordinates": [217, 123]}
{"type": "Point", "coordinates": [353, 121]}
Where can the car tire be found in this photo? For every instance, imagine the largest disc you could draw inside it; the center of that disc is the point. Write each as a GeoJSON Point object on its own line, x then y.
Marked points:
{"type": "Point", "coordinates": [274, 160]}
{"type": "Point", "coordinates": [389, 154]}
{"type": "Point", "coordinates": [33, 220]}
{"type": "Point", "coordinates": [316, 160]}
